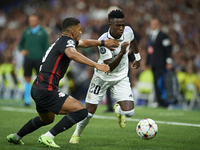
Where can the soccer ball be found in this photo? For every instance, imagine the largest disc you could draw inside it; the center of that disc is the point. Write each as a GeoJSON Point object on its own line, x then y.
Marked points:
{"type": "Point", "coordinates": [147, 128]}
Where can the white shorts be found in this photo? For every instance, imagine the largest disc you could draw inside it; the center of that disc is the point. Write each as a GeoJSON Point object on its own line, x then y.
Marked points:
{"type": "Point", "coordinates": [120, 90]}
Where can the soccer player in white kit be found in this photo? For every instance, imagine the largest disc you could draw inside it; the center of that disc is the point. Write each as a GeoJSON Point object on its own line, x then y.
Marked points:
{"type": "Point", "coordinates": [117, 80]}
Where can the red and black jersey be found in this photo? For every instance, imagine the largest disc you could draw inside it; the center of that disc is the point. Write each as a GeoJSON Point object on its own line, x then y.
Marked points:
{"type": "Point", "coordinates": [54, 64]}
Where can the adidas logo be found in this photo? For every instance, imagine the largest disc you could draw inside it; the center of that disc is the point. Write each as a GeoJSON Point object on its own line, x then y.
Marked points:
{"type": "Point", "coordinates": [131, 95]}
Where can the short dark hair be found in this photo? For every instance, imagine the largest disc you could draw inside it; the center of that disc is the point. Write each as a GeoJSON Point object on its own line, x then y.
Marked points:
{"type": "Point", "coordinates": [115, 14]}
{"type": "Point", "coordinates": [67, 22]}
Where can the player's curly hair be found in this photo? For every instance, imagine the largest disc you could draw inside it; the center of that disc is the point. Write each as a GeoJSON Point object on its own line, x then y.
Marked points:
{"type": "Point", "coordinates": [67, 22]}
{"type": "Point", "coordinates": [115, 14]}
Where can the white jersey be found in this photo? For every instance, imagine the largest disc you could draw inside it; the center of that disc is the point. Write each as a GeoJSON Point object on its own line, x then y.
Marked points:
{"type": "Point", "coordinates": [121, 70]}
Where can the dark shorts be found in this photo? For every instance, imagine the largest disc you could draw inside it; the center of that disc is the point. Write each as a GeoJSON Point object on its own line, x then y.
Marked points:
{"type": "Point", "coordinates": [29, 64]}
{"type": "Point", "coordinates": [48, 100]}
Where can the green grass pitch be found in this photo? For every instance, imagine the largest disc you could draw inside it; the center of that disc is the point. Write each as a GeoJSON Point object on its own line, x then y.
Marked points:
{"type": "Point", "coordinates": [177, 130]}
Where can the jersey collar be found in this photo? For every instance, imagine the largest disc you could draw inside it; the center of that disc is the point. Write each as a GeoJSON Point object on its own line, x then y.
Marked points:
{"type": "Point", "coordinates": [36, 29]}
{"type": "Point", "coordinates": [110, 37]}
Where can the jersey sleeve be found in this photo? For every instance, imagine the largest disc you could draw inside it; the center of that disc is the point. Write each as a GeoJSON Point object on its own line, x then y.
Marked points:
{"type": "Point", "coordinates": [71, 43]}
{"type": "Point", "coordinates": [105, 53]}
{"type": "Point", "coordinates": [67, 43]}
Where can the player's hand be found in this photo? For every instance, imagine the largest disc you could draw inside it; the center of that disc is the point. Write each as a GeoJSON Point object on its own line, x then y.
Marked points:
{"type": "Point", "coordinates": [123, 47]}
{"type": "Point", "coordinates": [136, 64]}
{"type": "Point", "coordinates": [103, 67]}
{"type": "Point", "coordinates": [24, 52]}
{"type": "Point", "coordinates": [111, 44]}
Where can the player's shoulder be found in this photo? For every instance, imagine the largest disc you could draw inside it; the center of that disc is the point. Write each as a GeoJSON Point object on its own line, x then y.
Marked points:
{"type": "Point", "coordinates": [103, 36]}
{"type": "Point", "coordinates": [128, 29]}
{"type": "Point", "coordinates": [128, 33]}
{"type": "Point", "coordinates": [69, 42]}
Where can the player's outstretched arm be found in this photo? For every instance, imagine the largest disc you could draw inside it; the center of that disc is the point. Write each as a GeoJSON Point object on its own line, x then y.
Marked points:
{"type": "Point", "coordinates": [78, 57]}
{"type": "Point", "coordinates": [109, 43]}
{"type": "Point", "coordinates": [134, 47]}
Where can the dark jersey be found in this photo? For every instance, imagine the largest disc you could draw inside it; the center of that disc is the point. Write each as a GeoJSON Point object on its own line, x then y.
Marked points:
{"type": "Point", "coordinates": [54, 64]}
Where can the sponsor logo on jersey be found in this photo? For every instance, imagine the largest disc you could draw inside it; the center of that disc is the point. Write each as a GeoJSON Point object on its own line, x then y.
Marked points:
{"type": "Point", "coordinates": [61, 94]}
{"type": "Point", "coordinates": [102, 50]}
{"type": "Point", "coordinates": [70, 43]}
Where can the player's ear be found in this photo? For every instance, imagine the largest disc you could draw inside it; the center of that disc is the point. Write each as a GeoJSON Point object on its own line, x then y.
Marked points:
{"type": "Point", "coordinates": [109, 24]}
{"type": "Point", "coordinates": [72, 32]}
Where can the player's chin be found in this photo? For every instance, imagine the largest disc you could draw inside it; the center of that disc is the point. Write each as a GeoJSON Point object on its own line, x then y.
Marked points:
{"type": "Point", "coordinates": [78, 38]}
{"type": "Point", "coordinates": [120, 34]}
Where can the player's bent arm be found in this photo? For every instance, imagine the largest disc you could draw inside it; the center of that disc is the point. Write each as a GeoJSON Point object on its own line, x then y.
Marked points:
{"type": "Point", "coordinates": [109, 43]}
{"type": "Point", "coordinates": [135, 50]}
{"type": "Point", "coordinates": [114, 63]}
{"type": "Point", "coordinates": [78, 57]}
{"type": "Point", "coordinates": [134, 47]}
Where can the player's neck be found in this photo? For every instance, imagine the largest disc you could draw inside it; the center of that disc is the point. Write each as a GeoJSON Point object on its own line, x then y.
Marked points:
{"type": "Point", "coordinates": [67, 34]}
{"type": "Point", "coordinates": [113, 35]}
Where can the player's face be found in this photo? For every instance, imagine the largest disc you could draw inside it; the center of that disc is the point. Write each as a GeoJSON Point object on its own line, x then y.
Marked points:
{"type": "Point", "coordinates": [117, 26]}
{"type": "Point", "coordinates": [33, 21]}
{"type": "Point", "coordinates": [77, 32]}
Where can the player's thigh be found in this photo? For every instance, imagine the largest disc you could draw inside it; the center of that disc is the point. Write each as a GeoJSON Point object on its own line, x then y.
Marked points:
{"type": "Point", "coordinates": [71, 105]}
{"type": "Point", "coordinates": [122, 93]}
{"type": "Point", "coordinates": [48, 100]}
{"type": "Point", "coordinates": [28, 66]}
{"type": "Point", "coordinates": [96, 90]}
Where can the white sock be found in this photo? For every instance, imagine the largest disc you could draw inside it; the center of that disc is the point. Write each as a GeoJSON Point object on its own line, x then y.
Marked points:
{"type": "Point", "coordinates": [118, 110]}
{"type": "Point", "coordinates": [17, 137]}
{"type": "Point", "coordinates": [48, 134]}
{"type": "Point", "coordinates": [82, 124]}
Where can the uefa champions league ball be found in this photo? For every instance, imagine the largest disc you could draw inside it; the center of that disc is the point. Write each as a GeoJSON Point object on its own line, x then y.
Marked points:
{"type": "Point", "coordinates": [147, 128]}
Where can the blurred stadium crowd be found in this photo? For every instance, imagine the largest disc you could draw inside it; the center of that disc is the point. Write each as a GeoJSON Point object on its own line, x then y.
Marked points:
{"type": "Point", "coordinates": [180, 20]}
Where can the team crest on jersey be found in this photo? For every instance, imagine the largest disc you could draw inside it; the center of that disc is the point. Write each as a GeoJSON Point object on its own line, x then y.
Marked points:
{"type": "Point", "coordinates": [102, 50]}
{"type": "Point", "coordinates": [61, 94]}
{"type": "Point", "coordinates": [89, 96]}
{"type": "Point", "coordinates": [70, 43]}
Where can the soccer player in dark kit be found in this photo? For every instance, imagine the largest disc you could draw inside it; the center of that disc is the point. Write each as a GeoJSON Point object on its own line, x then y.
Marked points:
{"type": "Point", "coordinates": [45, 87]}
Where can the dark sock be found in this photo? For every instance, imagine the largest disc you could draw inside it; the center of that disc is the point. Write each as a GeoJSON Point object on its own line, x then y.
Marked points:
{"type": "Point", "coordinates": [68, 121]}
{"type": "Point", "coordinates": [31, 126]}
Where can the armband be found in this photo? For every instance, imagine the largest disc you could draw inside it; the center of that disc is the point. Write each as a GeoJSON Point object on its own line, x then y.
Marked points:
{"type": "Point", "coordinates": [137, 56]}
{"type": "Point", "coordinates": [102, 43]}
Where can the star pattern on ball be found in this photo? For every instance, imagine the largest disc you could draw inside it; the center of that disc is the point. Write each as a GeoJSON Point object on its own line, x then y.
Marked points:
{"type": "Point", "coordinates": [150, 126]}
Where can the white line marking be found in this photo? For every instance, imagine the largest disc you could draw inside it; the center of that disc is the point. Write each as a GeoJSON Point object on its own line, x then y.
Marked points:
{"type": "Point", "coordinates": [101, 117]}
{"type": "Point", "coordinates": [18, 109]}
{"type": "Point", "coordinates": [171, 114]}
{"type": "Point", "coordinates": [161, 122]}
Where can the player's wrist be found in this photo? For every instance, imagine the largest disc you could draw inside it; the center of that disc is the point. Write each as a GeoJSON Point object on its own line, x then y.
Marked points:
{"type": "Point", "coordinates": [95, 65]}
{"type": "Point", "coordinates": [102, 43]}
{"type": "Point", "coordinates": [137, 56]}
